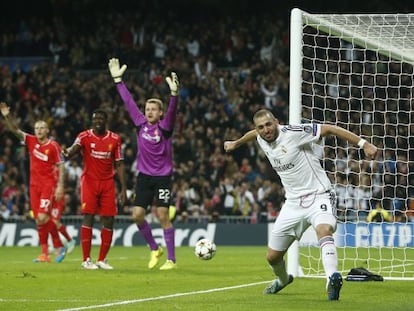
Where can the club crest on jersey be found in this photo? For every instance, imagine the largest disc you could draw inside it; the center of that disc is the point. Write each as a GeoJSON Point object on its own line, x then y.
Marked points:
{"type": "Point", "coordinates": [307, 129]}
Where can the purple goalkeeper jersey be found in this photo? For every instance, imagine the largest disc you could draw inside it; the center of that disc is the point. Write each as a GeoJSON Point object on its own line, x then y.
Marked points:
{"type": "Point", "coordinates": [154, 141]}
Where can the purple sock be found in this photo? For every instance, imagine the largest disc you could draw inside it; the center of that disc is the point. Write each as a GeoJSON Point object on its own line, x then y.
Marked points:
{"type": "Point", "coordinates": [170, 242]}
{"type": "Point", "coordinates": [146, 233]}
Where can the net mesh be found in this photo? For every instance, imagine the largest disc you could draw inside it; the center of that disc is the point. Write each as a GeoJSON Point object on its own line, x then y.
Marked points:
{"type": "Point", "coordinates": [358, 74]}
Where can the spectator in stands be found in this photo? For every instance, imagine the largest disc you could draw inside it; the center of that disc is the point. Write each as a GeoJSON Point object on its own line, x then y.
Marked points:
{"type": "Point", "coordinates": [203, 67]}
{"type": "Point", "coordinates": [270, 91]}
{"type": "Point", "coordinates": [193, 46]}
{"type": "Point", "coordinates": [227, 197]}
{"type": "Point", "coordinates": [244, 201]}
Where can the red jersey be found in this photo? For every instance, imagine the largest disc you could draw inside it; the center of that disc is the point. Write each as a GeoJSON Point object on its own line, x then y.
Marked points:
{"type": "Point", "coordinates": [99, 153]}
{"type": "Point", "coordinates": [43, 160]}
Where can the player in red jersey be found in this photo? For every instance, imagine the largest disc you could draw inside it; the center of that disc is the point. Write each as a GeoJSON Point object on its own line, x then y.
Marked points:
{"type": "Point", "coordinates": [101, 152]}
{"type": "Point", "coordinates": [45, 184]}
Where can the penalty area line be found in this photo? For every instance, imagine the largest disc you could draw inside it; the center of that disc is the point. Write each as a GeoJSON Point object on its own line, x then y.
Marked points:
{"type": "Point", "coordinates": [126, 302]}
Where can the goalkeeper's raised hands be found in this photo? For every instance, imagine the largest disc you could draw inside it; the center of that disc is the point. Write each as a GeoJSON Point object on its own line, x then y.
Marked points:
{"type": "Point", "coordinates": [115, 70]}
{"type": "Point", "coordinates": [173, 83]}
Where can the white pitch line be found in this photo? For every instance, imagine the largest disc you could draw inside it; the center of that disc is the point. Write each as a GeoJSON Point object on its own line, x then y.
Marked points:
{"type": "Point", "coordinates": [126, 302]}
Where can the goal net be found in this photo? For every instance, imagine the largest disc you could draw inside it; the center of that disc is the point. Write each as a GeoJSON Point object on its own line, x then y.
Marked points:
{"type": "Point", "coordinates": [356, 71]}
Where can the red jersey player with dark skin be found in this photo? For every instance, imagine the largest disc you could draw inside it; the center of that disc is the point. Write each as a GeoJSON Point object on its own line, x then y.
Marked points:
{"type": "Point", "coordinates": [102, 155]}
{"type": "Point", "coordinates": [45, 185]}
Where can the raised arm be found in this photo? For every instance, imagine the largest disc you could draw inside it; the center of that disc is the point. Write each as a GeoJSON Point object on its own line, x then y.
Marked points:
{"type": "Point", "coordinates": [11, 125]}
{"type": "Point", "coordinates": [230, 145]}
{"type": "Point", "coordinates": [169, 119]}
{"type": "Point", "coordinates": [369, 149]}
{"type": "Point", "coordinates": [116, 73]}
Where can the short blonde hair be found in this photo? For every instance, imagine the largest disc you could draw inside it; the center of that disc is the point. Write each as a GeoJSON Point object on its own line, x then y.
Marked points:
{"type": "Point", "coordinates": [41, 122]}
{"type": "Point", "coordinates": [155, 101]}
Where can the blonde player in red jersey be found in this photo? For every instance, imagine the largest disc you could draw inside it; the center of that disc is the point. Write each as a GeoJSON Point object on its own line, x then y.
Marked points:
{"type": "Point", "coordinates": [45, 185]}
{"type": "Point", "coordinates": [101, 152]}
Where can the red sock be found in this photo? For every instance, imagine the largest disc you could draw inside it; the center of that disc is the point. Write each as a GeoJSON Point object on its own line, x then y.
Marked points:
{"type": "Point", "coordinates": [62, 229]}
{"type": "Point", "coordinates": [86, 241]}
{"type": "Point", "coordinates": [106, 240]}
{"type": "Point", "coordinates": [57, 243]}
{"type": "Point", "coordinates": [43, 234]}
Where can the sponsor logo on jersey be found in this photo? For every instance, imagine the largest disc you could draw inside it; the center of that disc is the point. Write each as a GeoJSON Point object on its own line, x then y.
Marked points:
{"type": "Point", "coordinates": [39, 155]}
{"type": "Point", "coordinates": [100, 154]}
{"type": "Point", "coordinates": [154, 138]}
{"type": "Point", "coordinates": [284, 167]}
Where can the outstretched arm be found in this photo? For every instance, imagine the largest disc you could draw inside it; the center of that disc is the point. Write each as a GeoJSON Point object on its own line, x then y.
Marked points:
{"type": "Point", "coordinates": [369, 149]}
{"type": "Point", "coordinates": [116, 73]}
{"type": "Point", "coordinates": [71, 151]}
{"type": "Point", "coordinates": [170, 116]}
{"type": "Point", "coordinates": [5, 111]}
{"type": "Point", "coordinates": [230, 145]}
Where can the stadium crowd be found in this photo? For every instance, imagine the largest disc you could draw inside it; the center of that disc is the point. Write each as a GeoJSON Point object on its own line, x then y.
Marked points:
{"type": "Point", "coordinates": [229, 67]}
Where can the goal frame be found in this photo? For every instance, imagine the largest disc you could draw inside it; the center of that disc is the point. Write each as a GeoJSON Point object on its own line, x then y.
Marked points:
{"type": "Point", "coordinates": [295, 89]}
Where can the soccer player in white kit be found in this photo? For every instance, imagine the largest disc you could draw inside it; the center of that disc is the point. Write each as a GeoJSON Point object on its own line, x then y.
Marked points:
{"type": "Point", "coordinates": [310, 200]}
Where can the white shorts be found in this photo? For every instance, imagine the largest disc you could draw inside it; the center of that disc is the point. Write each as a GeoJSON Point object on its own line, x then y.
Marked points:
{"type": "Point", "coordinates": [297, 215]}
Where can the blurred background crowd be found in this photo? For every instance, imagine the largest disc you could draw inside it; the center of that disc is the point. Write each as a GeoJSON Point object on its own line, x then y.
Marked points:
{"type": "Point", "coordinates": [231, 58]}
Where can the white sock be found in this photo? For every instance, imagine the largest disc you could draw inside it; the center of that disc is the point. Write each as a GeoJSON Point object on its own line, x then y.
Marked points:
{"type": "Point", "coordinates": [329, 255]}
{"type": "Point", "coordinates": [280, 271]}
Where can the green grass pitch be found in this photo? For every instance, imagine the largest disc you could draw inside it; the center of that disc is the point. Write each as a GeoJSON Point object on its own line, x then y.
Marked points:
{"type": "Point", "coordinates": [233, 280]}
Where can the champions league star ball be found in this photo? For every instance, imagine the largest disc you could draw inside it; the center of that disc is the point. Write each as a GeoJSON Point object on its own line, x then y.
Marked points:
{"type": "Point", "coordinates": [205, 249]}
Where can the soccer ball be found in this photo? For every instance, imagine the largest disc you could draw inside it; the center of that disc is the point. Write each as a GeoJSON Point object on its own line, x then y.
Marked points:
{"type": "Point", "coordinates": [205, 249]}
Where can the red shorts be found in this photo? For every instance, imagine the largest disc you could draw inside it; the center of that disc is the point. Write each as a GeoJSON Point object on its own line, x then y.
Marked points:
{"type": "Point", "coordinates": [41, 197]}
{"type": "Point", "coordinates": [98, 197]}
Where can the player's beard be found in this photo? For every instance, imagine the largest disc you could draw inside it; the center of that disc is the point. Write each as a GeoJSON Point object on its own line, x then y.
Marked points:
{"type": "Point", "coordinates": [269, 137]}
{"type": "Point", "coordinates": [99, 129]}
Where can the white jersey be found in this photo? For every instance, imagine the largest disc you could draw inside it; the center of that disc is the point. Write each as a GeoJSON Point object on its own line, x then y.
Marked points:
{"type": "Point", "coordinates": [292, 156]}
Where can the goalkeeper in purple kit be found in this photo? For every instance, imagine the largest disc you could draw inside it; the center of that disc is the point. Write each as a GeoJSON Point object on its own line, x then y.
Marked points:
{"type": "Point", "coordinates": [154, 131]}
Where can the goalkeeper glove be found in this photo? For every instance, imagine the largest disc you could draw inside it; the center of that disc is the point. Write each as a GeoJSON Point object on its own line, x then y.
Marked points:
{"type": "Point", "coordinates": [173, 83]}
{"type": "Point", "coordinates": [115, 71]}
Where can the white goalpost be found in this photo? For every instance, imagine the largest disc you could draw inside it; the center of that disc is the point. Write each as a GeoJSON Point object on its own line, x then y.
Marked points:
{"type": "Point", "coordinates": [357, 71]}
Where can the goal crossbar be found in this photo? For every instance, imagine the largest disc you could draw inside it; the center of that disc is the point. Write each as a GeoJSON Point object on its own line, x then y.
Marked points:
{"type": "Point", "coordinates": [375, 38]}
{"type": "Point", "coordinates": [388, 39]}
